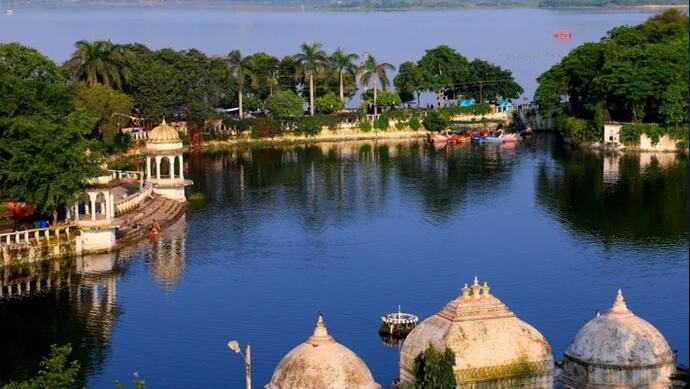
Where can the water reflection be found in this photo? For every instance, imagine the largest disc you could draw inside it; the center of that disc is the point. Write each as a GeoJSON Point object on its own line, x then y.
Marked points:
{"type": "Point", "coordinates": [69, 301]}
{"type": "Point", "coordinates": [334, 182]}
{"type": "Point", "coordinates": [634, 197]}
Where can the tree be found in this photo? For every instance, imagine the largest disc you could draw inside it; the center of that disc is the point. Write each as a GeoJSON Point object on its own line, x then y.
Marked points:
{"type": "Point", "coordinates": [265, 70]}
{"type": "Point", "coordinates": [383, 99]}
{"type": "Point", "coordinates": [409, 82]}
{"type": "Point", "coordinates": [56, 372]}
{"type": "Point", "coordinates": [242, 69]}
{"type": "Point", "coordinates": [374, 72]}
{"type": "Point", "coordinates": [434, 369]}
{"type": "Point", "coordinates": [343, 63]}
{"type": "Point", "coordinates": [443, 70]}
{"type": "Point", "coordinates": [488, 80]}
{"type": "Point", "coordinates": [435, 122]}
{"type": "Point", "coordinates": [99, 62]}
{"type": "Point", "coordinates": [285, 105]}
{"type": "Point", "coordinates": [109, 107]}
{"type": "Point", "coordinates": [329, 103]}
{"type": "Point", "coordinates": [311, 61]}
{"type": "Point", "coordinates": [44, 156]}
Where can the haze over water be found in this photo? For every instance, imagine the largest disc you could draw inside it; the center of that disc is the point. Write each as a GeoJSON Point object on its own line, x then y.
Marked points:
{"type": "Point", "coordinates": [518, 39]}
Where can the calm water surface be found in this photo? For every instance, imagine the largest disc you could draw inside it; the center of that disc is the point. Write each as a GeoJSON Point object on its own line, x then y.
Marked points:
{"type": "Point", "coordinates": [354, 229]}
{"type": "Point", "coordinates": [517, 39]}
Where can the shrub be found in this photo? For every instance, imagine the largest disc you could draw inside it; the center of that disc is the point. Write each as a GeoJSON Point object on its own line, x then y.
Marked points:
{"type": "Point", "coordinates": [266, 128]}
{"type": "Point", "coordinates": [435, 122]}
{"type": "Point", "coordinates": [309, 125]}
{"type": "Point", "coordinates": [381, 123]}
{"type": "Point", "coordinates": [401, 124]}
{"type": "Point", "coordinates": [434, 369]}
{"type": "Point", "coordinates": [364, 126]}
{"type": "Point", "coordinates": [415, 124]}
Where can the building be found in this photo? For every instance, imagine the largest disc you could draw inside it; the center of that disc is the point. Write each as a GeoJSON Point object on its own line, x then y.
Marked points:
{"type": "Point", "coordinates": [165, 163]}
{"type": "Point", "coordinates": [617, 349]}
{"type": "Point", "coordinates": [503, 105]}
{"type": "Point", "coordinates": [321, 363]}
{"type": "Point", "coordinates": [612, 134]}
{"type": "Point", "coordinates": [493, 348]}
{"type": "Point", "coordinates": [467, 102]}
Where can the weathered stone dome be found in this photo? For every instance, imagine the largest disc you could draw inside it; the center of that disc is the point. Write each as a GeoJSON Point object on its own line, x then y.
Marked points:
{"type": "Point", "coordinates": [163, 138]}
{"type": "Point", "coordinates": [492, 346]}
{"type": "Point", "coordinates": [618, 349]}
{"type": "Point", "coordinates": [321, 363]}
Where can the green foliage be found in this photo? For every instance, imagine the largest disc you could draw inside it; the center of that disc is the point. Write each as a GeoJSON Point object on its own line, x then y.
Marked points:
{"type": "Point", "coordinates": [409, 82]}
{"type": "Point", "coordinates": [138, 384]}
{"type": "Point", "coordinates": [285, 105]}
{"type": "Point", "coordinates": [443, 69]}
{"type": "Point", "coordinates": [329, 103]}
{"type": "Point", "coordinates": [486, 80]}
{"type": "Point", "coordinates": [381, 123]}
{"type": "Point", "coordinates": [56, 372]}
{"type": "Point", "coordinates": [100, 62]}
{"type": "Point", "coordinates": [630, 133]}
{"type": "Point", "coordinates": [43, 150]}
{"type": "Point", "coordinates": [383, 99]}
{"type": "Point", "coordinates": [365, 126]}
{"type": "Point", "coordinates": [399, 125]}
{"type": "Point", "coordinates": [415, 124]}
{"type": "Point", "coordinates": [634, 74]}
{"type": "Point", "coordinates": [252, 103]}
{"type": "Point", "coordinates": [434, 369]}
{"type": "Point", "coordinates": [435, 122]}
{"type": "Point", "coordinates": [111, 108]}
{"type": "Point", "coordinates": [266, 128]}
{"type": "Point", "coordinates": [312, 125]}
{"type": "Point", "coordinates": [578, 130]}
{"type": "Point", "coordinates": [476, 109]}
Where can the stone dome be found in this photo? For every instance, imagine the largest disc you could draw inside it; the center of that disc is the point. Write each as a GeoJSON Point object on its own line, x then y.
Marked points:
{"type": "Point", "coordinates": [490, 343]}
{"type": "Point", "coordinates": [321, 363]}
{"type": "Point", "coordinates": [620, 338]}
{"type": "Point", "coordinates": [164, 133]}
{"type": "Point", "coordinates": [163, 138]}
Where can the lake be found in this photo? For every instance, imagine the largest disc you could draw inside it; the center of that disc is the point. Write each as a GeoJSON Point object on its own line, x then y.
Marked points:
{"type": "Point", "coordinates": [518, 39]}
{"type": "Point", "coordinates": [275, 235]}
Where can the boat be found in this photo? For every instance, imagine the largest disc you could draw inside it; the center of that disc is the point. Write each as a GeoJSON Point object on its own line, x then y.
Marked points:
{"type": "Point", "coordinates": [493, 139]}
{"type": "Point", "coordinates": [478, 139]}
{"type": "Point", "coordinates": [459, 136]}
{"type": "Point", "coordinates": [511, 138]}
{"type": "Point", "coordinates": [437, 138]}
{"type": "Point", "coordinates": [9, 12]}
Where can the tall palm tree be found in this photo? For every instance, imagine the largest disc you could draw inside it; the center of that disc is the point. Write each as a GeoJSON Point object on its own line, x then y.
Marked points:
{"type": "Point", "coordinates": [242, 69]}
{"type": "Point", "coordinates": [372, 71]}
{"type": "Point", "coordinates": [311, 61]}
{"type": "Point", "coordinates": [343, 63]}
{"type": "Point", "coordinates": [100, 62]}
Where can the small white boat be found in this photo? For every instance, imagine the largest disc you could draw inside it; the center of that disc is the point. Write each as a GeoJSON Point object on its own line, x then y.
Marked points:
{"type": "Point", "coordinates": [9, 12]}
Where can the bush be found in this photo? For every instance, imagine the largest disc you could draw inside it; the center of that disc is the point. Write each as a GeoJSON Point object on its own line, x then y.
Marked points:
{"type": "Point", "coordinates": [285, 105]}
{"type": "Point", "coordinates": [364, 126]}
{"type": "Point", "coordinates": [434, 370]}
{"type": "Point", "coordinates": [415, 124]}
{"type": "Point", "coordinates": [329, 103]}
{"type": "Point", "coordinates": [401, 124]}
{"type": "Point", "coordinates": [381, 123]}
{"type": "Point", "coordinates": [435, 122]}
{"type": "Point", "coordinates": [578, 130]}
{"type": "Point", "coordinates": [309, 125]}
{"type": "Point", "coordinates": [266, 128]}
{"type": "Point", "coordinates": [477, 109]}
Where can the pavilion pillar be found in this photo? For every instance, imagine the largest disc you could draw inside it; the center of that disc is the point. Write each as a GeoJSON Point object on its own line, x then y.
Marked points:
{"type": "Point", "coordinates": [158, 167]}
{"type": "Point", "coordinates": [106, 202]}
{"type": "Point", "coordinates": [148, 168]}
{"type": "Point", "coordinates": [92, 198]}
{"type": "Point", "coordinates": [171, 163]}
{"type": "Point", "coordinates": [181, 167]}
{"type": "Point", "coordinates": [76, 212]}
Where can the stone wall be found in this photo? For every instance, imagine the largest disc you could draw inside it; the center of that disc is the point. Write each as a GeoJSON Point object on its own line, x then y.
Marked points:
{"type": "Point", "coordinates": [15, 253]}
{"type": "Point", "coordinates": [665, 143]}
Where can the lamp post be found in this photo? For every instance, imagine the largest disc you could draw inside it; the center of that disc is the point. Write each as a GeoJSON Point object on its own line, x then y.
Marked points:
{"type": "Point", "coordinates": [235, 346]}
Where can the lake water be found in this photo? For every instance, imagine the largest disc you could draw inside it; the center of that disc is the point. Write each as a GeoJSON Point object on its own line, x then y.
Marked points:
{"type": "Point", "coordinates": [354, 229]}
{"type": "Point", "coordinates": [518, 39]}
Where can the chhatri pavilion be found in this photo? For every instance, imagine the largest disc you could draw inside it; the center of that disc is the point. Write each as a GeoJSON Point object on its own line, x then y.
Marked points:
{"type": "Point", "coordinates": [165, 163]}
{"type": "Point", "coordinates": [321, 363]}
{"type": "Point", "coordinates": [618, 349]}
{"type": "Point", "coordinates": [493, 348]}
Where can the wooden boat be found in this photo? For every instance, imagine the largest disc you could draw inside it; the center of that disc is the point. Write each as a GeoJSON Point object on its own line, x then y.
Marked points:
{"type": "Point", "coordinates": [493, 139]}
{"type": "Point", "coordinates": [433, 137]}
{"type": "Point", "coordinates": [511, 138]}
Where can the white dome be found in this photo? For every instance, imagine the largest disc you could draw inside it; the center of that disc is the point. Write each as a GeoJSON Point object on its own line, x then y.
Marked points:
{"type": "Point", "coordinates": [163, 138]}
{"type": "Point", "coordinates": [322, 363]}
{"type": "Point", "coordinates": [618, 337]}
{"type": "Point", "coordinates": [490, 343]}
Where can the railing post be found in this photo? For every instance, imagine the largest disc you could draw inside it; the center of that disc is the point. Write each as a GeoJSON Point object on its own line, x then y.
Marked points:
{"type": "Point", "coordinates": [26, 236]}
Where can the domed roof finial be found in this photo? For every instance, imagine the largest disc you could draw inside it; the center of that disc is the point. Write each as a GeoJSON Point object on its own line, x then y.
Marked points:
{"type": "Point", "coordinates": [476, 280]}
{"type": "Point", "coordinates": [465, 291]}
{"type": "Point", "coordinates": [485, 289]}
{"type": "Point", "coordinates": [619, 305]}
{"type": "Point", "coordinates": [320, 329]}
{"type": "Point", "coordinates": [476, 289]}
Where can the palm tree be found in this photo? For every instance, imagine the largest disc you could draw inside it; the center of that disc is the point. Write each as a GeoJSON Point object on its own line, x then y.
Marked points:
{"type": "Point", "coordinates": [241, 67]}
{"type": "Point", "coordinates": [100, 62]}
{"type": "Point", "coordinates": [374, 72]}
{"type": "Point", "coordinates": [311, 61]}
{"type": "Point", "coordinates": [343, 63]}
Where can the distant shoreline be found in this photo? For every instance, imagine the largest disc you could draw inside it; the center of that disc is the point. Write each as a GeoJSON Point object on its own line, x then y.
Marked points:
{"type": "Point", "coordinates": [332, 7]}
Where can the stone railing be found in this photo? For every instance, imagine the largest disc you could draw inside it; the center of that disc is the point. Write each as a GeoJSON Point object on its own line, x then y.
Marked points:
{"type": "Point", "coordinates": [37, 235]}
{"type": "Point", "coordinates": [139, 135]}
{"type": "Point", "coordinates": [132, 202]}
{"type": "Point", "coordinates": [120, 174]}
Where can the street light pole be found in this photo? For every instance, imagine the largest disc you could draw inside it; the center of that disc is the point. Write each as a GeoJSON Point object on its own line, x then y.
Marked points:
{"type": "Point", "coordinates": [247, 356]}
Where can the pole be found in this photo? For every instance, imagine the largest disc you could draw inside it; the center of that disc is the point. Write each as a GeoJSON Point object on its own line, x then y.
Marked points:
{"type": "Point", "coordinates": [248, 366]}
